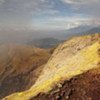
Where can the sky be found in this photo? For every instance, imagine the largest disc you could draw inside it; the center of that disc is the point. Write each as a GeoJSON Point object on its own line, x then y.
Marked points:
{"type": "Point", "coordinates": [48, 15]}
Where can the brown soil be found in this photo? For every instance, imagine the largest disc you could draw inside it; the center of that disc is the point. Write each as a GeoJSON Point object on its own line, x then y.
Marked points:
{"type": "Point", "coordinates": [82, 87]}
{"type": "Point", "coordinates": [20, 66]}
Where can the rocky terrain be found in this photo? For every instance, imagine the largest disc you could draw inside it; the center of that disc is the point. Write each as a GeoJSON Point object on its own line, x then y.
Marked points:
{"type": "Point", "coordinates": [20, 66]}
{"type": "Point", "coordinates": [71, 73]}
{"type": "Point", "coordinates": [81, 87]}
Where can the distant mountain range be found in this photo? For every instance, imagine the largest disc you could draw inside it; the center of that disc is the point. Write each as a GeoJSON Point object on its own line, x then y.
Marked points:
{"type": "Point", "coordinates": [45, 39]}
{"type": "Point", "coordinates": [82, 30]}
{"type": "Point", "coordinates": [45, 42]}
{"type": "Point", "coordinates": [50, 42]}
{"type": "Point", "coordinates": [94, 30]}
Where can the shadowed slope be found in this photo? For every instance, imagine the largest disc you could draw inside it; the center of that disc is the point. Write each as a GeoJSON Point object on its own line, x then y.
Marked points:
{"type": "Point", "coordinates": [20, 66]}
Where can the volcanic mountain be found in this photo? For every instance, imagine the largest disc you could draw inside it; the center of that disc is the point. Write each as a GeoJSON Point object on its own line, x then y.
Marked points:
{"type": "Point", "coordinates": [77, 58]}
{"type": "Point", "coordinates": [20, 65]}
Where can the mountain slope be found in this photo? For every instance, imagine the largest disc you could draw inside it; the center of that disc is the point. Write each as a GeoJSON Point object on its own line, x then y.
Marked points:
{"type": "Point", "coordinates": [70, 59]}
{"type": "Point", "coordinates": [82, 87]}
{"type": "Point", "coordinates": [20, 65]}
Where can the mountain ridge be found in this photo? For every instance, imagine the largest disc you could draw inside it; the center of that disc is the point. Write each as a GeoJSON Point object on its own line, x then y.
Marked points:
{"type": "Point", "coordinates": [70, 59]}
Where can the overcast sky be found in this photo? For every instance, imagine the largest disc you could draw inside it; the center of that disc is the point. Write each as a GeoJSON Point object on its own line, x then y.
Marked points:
{"type": "Point", "coordinates": [48, 14]}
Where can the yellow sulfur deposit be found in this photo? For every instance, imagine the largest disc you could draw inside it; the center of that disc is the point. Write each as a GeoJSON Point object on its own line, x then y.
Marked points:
{"type": "Point", "coordinates": [63, 67]}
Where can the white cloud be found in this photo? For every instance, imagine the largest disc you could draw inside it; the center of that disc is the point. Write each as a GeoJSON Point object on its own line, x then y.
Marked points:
{"type": "Point", "coordinates": [64, 23]}
{"type": "Point", "coordinates": [81, 2]}
{"type": "Point", "coordinates": [33, 7]}
{"type": "Point", "coordinates": [39, 7]}
{"type": "Point", "coordinates": [88, 7]}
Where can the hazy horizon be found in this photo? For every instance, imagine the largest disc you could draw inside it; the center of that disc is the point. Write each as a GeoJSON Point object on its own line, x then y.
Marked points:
{"type": "Point", "coordinates": [24, 19]}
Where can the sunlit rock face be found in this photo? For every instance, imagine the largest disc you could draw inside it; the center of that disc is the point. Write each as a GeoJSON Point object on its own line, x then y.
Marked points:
{"type": "Point", "coordinates": [70, 59]}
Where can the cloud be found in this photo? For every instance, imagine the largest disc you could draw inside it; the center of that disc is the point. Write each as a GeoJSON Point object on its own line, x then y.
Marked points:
{"type": "Point", "coordinates": [81, 2]}
{"type": "Point", "coordinates": [33, 7]}
{"type": "Point", "coordinates": [64, 23]}
{"type": "Point", "coordinates": [87, 7]}
{"type": "Point", "coordinates": [49, 14]}
{"type": "Point", "coordinates": [23, 11]}
{"type": "Point", "coordinates": [2, 1]}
